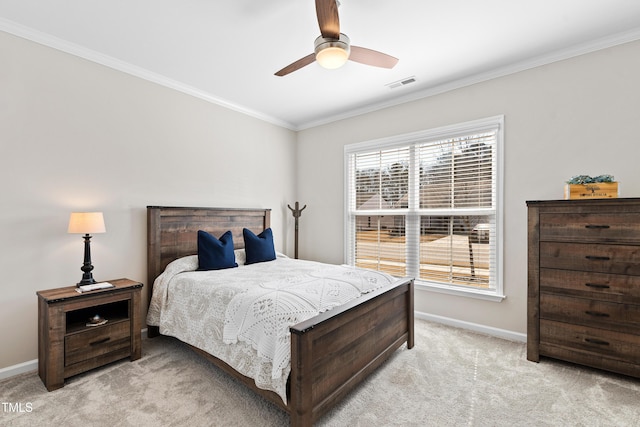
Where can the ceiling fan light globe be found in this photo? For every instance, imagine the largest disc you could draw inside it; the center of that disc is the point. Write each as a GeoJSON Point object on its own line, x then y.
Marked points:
{"type": "Point", "coordinates": [332, 53]}
{"type": "Point", "coordinates": [332, 57]}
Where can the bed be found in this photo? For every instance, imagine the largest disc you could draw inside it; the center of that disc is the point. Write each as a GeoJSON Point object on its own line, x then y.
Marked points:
{"type": "Point", "coordinates": [330, 353]}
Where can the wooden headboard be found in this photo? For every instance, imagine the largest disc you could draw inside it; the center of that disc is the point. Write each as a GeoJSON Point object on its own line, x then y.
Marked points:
{"type": "Point", "coordinates": [172, 232]}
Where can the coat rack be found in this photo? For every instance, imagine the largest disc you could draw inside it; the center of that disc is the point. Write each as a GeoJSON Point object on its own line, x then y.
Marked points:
{"type": "Point", "coordinates": [296, 214]}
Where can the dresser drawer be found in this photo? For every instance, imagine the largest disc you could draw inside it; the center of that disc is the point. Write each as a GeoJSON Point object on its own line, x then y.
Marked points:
{"type": "Point", "coordinates": [602, 286]}
{"type": "Point", "coordinates": [616, 259]}
{"type": "Point", "coordinates": [588, 340]}
{"type": "Point", "coordinates": [590, 227]}
{"type": "Point", "coordinates": [588, 312]}
{"type": "Point", "coordinates": [95, 342]}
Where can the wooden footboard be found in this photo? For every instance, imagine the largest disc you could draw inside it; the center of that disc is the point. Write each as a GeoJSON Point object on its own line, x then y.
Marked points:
{"type": "Point", "coordinates": [336, 350]}
{"type": "Point", "coordinates": [332, 352]}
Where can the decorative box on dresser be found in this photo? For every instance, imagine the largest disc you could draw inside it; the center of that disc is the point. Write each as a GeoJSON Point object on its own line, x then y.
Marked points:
{"type": "Point", "coordinates": [67, 346]}
{"type": "Point", "coordinates": [584, 283]}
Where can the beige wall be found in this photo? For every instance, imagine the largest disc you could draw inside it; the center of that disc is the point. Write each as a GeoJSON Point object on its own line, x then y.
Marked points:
{"type": "Point", "coordinates": [78, 136]}
{"type": "Point", "coordinates": [75, 135]}
{"type": "Point", "coordinates": [578, 116]}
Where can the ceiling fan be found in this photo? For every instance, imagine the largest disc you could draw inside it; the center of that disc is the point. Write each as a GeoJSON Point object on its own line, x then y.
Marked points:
{"type": "Point", "coordinates": [333, 48]}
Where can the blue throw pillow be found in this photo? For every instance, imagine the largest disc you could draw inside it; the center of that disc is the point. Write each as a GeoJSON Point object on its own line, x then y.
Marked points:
{"type": "Point", "coordinates": [258, 248]}
{"type": "Point", "coordinates": [215, 254]}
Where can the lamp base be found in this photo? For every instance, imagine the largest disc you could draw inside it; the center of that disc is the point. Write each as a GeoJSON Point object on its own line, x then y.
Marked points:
{"type": "Point", "coordinates": [87, 276]}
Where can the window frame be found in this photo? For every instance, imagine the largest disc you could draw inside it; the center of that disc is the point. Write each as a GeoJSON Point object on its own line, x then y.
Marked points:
{"type": "Point", "coordinates": [495, 123]}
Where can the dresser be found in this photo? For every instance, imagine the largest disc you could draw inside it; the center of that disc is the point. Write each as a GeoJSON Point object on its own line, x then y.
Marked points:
{"type": "Point", "coordinates": [583, 302]}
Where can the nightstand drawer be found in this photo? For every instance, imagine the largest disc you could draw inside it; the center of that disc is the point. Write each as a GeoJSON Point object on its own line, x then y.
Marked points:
{"type": "Point", "coordinates": [589, 312]}
{"type": "Point", "coordinates": [616, 259]}
{"type": "Point", "coordinates": [590, 227]}
{"type": "Point", "coordinates": [91, 343]}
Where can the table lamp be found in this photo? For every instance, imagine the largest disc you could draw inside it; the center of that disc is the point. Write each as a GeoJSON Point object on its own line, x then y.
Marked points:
{"type": "Point", "coordinates": [86, 223]}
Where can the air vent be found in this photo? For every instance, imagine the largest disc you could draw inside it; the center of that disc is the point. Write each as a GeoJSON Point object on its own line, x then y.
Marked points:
{"type": "Point", "coordinates": [403, 82]}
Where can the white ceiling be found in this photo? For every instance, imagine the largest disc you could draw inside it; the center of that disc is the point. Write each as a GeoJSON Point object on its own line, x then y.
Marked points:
{"type": "Point", "coordinates": [226, 52]}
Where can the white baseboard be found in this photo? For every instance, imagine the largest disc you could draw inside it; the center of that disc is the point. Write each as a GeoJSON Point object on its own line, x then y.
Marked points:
{"type": "Point", "coordinates": [483, 329]}
{"type": "Point", "coordinates": [20, 368]}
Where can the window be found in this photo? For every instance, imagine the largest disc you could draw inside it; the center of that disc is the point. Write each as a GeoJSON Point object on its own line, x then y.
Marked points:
{"type": "Point", "coordinates": [428, 205]}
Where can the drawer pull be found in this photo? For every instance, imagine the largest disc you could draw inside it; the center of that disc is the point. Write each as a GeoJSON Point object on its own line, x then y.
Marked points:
{"type": "Point", "coordinates": [592, 226]}
{"type": "Point", "coordinates": [597, 285]}
{"type": "Point", "coordinates": [597, 258]}
{"type": "Point", "coordinates": [102, 341]}
{"type": "Point", "coordinates": [596, 313]}
{"type": "Point", "coordinates": [596, 341]}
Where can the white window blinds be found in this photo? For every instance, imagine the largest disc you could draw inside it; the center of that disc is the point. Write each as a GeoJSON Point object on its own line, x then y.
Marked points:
{"type": "Point", "coordinates": [427, 206]}
{"type": "Point", "coordinates": [380, 190]}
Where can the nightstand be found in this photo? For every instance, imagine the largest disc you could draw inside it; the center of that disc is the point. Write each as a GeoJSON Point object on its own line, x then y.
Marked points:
{"type": "Point", "coordinates": [67, 346]}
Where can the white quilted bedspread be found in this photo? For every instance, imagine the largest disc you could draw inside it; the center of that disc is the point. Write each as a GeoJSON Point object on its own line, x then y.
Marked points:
{"type": "Point", "coordinates": [242, 315]}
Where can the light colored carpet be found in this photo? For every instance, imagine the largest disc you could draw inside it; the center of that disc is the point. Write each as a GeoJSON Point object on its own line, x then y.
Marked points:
{"type": "Point", "coordinates": [452, 377]}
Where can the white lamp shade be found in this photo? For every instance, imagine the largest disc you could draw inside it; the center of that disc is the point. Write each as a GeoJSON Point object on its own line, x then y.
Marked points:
{"type": "Point", "coordinates": [86, 223]}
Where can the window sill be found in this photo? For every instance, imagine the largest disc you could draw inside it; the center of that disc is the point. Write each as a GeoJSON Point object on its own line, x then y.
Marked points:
{"type": "Point", "coordinates": [459, 291]}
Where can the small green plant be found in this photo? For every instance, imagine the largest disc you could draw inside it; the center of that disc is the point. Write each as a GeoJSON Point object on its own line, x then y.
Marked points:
{"type": "Point", "coordinates": [586, 179]}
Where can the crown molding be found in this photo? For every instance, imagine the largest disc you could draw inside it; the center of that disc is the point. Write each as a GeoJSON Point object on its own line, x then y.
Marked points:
{"type": "Point", "coordinates": [108, 61]}
{"type": "Point", "coordinates": [558, 55]}
{"type": "Point", "coordinates": [125, 67]}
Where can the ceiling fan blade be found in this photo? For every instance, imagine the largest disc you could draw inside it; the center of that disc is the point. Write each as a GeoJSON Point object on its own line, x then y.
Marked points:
{"type": "Point", "coordinates": [372, 57]}
{"type": "Point", "coordinates": [327, 11]}
{"type": "Point", "coordinates": [297, 65]}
